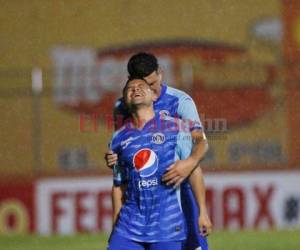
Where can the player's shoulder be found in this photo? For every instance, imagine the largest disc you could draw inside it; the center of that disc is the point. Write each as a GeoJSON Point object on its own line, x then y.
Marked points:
{"type": "Point", "coordinates": [177, 93]}
{"type": "Point", "coordinates": [175, 124]}
{"type": "Point", "coordinates": [163, 118]}
{"type": "Point", "coordinates": [118, 135]}
{"type": "Point", "coordinates": [176, 121]}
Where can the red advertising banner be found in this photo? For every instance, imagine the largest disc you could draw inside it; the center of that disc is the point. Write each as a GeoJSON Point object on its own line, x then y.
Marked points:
{"type": "Point", "coordinates": [264, 200]}
{"type": "Point", "coordinates": [16, 207]}
{"type": "Point", "coordinates": [72, 205]}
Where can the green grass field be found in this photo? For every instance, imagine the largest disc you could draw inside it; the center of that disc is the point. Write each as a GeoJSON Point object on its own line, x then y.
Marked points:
{"type": "Point", "coordinates": [248, 240]}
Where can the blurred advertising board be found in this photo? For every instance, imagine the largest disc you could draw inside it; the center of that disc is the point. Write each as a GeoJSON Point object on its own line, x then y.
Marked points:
{"type": "Point", "coordinates": [66, 206]}
{"type": "Point", "coordinates": [17, 208]}
{"type": "Point", "coordinates": [291, 18]}
{"type": "Point", "coordinates": [291, 58]}
{"type": "Point", "coordinates": [239, 101]}
{"type": "Point", "coordinates": [263, 200]}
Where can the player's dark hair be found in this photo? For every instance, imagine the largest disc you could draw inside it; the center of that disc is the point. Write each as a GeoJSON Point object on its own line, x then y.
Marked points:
{"type": "Point", "coordinates": [142, 64]}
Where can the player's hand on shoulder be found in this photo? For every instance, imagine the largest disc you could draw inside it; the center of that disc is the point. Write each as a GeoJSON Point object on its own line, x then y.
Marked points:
{"type": "Point", "coordinates": [177, 172]}
{"type": "Point", "coordinates": [110, 158]}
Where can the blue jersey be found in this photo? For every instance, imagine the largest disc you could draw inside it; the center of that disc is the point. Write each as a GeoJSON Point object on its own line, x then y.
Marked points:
{"type": "Point", "coordinates": [152, 211]}
{"type": "Point", "coordinates": [171, 102]}
{"type": "Point", "coordinates": [176, 103]}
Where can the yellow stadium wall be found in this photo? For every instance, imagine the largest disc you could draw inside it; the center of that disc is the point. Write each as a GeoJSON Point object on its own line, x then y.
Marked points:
{"type": "Point", "coordinates": [30, 29]}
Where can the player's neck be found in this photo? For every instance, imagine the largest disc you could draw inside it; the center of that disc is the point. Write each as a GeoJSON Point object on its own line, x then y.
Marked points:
{"type": "Point", "coordinates": [142, 115]}
{"type": "Point", "coordinates": [158, 92]}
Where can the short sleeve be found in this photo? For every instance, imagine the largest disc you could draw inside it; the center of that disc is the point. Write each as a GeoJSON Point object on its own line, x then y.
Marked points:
{"type": "Point", "coordinates": [187, 111]}
{"type": "Point", "coordinates": [119, 174]}
{"type": "Point", "coordinates": [184, 145]}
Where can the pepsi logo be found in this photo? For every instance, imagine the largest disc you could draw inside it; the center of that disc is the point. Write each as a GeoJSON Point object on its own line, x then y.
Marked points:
{"type": "Point", "coordinates": [148, 183]}
{"type": "Point", "coordinates": [145, 162]}
{"type": "Point", "coordinates": [158, 138]}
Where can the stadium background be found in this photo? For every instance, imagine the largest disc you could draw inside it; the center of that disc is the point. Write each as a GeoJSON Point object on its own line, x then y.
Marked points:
{"type": "Point", "coordinates": [62, 64]}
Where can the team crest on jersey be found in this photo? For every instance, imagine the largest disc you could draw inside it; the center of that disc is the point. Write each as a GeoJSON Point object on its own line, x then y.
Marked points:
{"type": "Point", "coordinates": [158, 138]}
{"type": "Point", "coordinates": [145, 162]}
{"type": "Point", "coordinates": [164, 113]}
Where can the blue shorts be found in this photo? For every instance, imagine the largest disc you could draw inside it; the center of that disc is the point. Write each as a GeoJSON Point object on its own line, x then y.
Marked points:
{"type": "Point", "coordinates": [191, 212]}
{"type": "Point", "coordinates": [117, 242]}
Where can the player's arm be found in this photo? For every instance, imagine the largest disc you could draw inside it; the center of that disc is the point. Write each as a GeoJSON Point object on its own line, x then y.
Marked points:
{"type": "Point", "coordinates": [187, 110]}
{"type": "Point", "coordinates": [118, 197]}
{"type": "Point", "coordinates": [200, 146]}
{"type": "Point", "coordinates": [119, 180]}
{"type": "Point", "coordinates": [183, 151]}
{"type": "Point", "coordinates": [197, 183]}
{"type": "Point", "coordinates": [118, 190]}
{"type": "Point", "coordinates": [182, 169]}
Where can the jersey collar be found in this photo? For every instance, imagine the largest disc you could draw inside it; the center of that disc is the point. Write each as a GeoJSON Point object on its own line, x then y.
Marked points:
{"type": "Point", "coordinates": [153, 122]}
{"type": "Point", "coordinates": [163, 91]}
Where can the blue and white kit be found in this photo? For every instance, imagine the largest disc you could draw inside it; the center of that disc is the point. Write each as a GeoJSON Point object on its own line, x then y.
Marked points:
{"type": "Point", "coordinates": [176, 103]}
{"type": "Point", "coordinates": [152, 211]}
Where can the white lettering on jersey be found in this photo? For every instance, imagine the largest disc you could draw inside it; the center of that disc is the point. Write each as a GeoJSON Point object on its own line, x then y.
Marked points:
{"type": "Point", "coordinates": [124, 144]}
{"type": "Point", "coordinates": [148, 183]}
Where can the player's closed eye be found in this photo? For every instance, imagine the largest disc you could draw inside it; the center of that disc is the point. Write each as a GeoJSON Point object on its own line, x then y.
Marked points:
{"type": "Point", "coordinates": [132, 88]}
{"type": "Point", "coordinates": [150, 83]}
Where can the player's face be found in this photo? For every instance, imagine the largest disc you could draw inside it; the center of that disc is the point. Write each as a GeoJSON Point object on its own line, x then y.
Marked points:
{"type": "Point", "coordinates": [154, 80]}
{"type": "Point", "coordinates": [138, 92]}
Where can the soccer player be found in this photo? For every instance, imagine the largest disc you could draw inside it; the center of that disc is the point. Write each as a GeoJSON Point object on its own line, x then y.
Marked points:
{"type": "Point", "coordinates": [147, 213]}
{"type": "Point", "coordinates": [175, 103]}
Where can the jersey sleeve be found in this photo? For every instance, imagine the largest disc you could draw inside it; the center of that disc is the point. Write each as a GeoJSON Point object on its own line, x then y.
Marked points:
{"type": "Point", "coordinates": [187, 111]}
{"type": "Point", "coordinates": [119, 173]}
{"type": "Point", "coordinates": [119, 176]}
{"type": "Point", "coordinates": [184, 145]}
